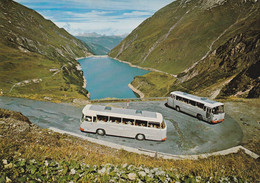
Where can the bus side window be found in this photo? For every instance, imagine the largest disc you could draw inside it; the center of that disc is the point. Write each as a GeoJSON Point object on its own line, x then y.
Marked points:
{"type": "Point", "coordinates": [94, 119]}
{"type": "Point", "coordinates": [140, 123]}
{"type": "Point", "coordinates": [128, 121]}
{"type": "Point", "coordinates": [178, 98]}
{"type": "Point", "coordinates": [200, 105]}
{"type": "Point", "coordinates": [154, 125]}
{"type": "Point", "coordinates": [115, 119]}
{"type": "Point", "coordinates": [192, 102]}
{"type": "Point", "coordinates": [102, 118]}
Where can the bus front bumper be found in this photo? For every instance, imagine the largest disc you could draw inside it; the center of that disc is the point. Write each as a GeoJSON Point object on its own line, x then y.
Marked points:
{"type": "Point", "coordinates": [219, 121]}
{"type": "Point", "coordinates": [164, 139]}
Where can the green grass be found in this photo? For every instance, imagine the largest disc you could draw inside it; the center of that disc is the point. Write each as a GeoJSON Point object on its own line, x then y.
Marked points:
{"type": "Point", "coordinates": [154, 84]}
{"type": "Point", "coordinates": [16, 67]}
{"type": "Point", "coordinates": [29, 47]}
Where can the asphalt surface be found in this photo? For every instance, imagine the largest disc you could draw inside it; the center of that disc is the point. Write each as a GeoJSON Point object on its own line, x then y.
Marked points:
{"type": "Point", "coordinates": [185, 134]}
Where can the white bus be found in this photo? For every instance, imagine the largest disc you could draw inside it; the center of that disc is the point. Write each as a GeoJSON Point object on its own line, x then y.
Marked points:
{"type": "Point", "coordinates": [201, 107]}
{"type": "Point", "coordinates": [138, 124]}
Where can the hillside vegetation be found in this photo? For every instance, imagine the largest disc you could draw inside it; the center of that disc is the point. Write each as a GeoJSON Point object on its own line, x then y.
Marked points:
{"type": "Point", "coordinates": [152, 84]}
{"type": "Point", "coordinates": [31, 154]}
{"type": "Point", "coordinates": [210, 45]}
{"type": "Point", "coordinates": [37, 59]}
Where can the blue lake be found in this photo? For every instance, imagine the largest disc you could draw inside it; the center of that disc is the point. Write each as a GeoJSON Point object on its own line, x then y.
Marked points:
{"type": "Point", "coordinates": [108, 78]}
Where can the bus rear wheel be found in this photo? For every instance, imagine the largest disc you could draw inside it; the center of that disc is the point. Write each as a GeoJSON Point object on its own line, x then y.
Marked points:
{"type": "Point", "coordinates": [199, 117]}
{"type": "Point", "coordinates": [101, 132]}
{"type": "Point", "coordinates": [140, 137]}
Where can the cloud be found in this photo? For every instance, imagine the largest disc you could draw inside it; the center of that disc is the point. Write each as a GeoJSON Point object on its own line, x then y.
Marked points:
{"type": "Point", "coordinates": [116, 27]}
{"type": "Point", "coordinates": [101, 16]}
{"type": "Point", "coordinates": [150, 5]}
{"type": "Point", "coordinates": [138, 13]}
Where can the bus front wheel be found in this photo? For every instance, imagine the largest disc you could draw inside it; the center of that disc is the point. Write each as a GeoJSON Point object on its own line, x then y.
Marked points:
{"type": "Point", "coordinates": [140, 137]}
{"type": "Point", "coordinates": [101, 132]}
{"type": "Point", "coordinates": [178, 108]}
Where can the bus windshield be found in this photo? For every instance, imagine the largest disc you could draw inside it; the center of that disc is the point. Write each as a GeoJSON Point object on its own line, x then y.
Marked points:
{"type": "Point", "coordinates": [218, 109]}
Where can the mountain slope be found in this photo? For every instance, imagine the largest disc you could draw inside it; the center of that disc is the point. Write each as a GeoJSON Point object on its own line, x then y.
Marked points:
{"type": "Point", "coordinates": [100, 44]}
{"type": "Point", "coordinates": [37, 59]}
{"type": "Point", "coordinates": [186, 38]}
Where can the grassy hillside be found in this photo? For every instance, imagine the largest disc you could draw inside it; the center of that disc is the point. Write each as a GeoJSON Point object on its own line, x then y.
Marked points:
{"type": "Point", "coordinates": [31, 154]}
{"type": "Point", "coordinates": [99, 44]}
{"type": "Point", "coordinates": [205, 42]}
{"type": "Point", "coordinates": [151, 84]}
{"type": "Point", "coordinates": [37, 59]}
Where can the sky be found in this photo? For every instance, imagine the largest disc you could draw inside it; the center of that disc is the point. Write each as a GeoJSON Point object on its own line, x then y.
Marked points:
{"type": "Point", "coordinates": [109, 17]}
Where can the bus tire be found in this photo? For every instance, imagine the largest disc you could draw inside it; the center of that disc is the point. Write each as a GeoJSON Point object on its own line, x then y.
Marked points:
{"type": "Point", "coordinates": [199, 117]}
{"type": "Point", "coordinates": [178, 108]}
{"type": "Point", "coordinates": [140, 137]}
{"type": "Point", "coordinates": [101, 132]}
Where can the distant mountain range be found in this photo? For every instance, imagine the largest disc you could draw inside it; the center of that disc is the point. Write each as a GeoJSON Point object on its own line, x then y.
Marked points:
{"type": "Point", "coordinates": [212, 45]}
{"type": "Point", "coordinates": [37, 59]}
{"type": "Point", "coordinates": [100, 44]}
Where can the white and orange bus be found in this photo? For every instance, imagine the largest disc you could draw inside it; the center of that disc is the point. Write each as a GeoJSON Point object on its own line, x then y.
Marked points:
{"type": "Point", "coordinates": [201, 107]}
{"type": "Point", "coordinates": [138, 124]}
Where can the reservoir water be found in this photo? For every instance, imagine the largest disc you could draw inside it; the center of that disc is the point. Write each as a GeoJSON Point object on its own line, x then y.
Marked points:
{"type": "Point", "coordinates": [109, 78]}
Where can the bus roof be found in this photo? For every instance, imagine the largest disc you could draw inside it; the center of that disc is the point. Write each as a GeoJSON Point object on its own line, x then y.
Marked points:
{"type": "Point", "coordinates": [124, 113]}
{"type": "Point", "coordinates": [203, 100]}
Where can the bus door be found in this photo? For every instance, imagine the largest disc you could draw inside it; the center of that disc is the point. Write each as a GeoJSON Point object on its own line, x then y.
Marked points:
{"type": "Point", "coordinates": [208, 113]}
{"type": "Point", "coordinates": [89, 123]}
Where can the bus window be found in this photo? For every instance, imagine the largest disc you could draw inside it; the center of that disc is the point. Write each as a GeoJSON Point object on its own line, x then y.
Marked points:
{"type": "Point", "coordinates": [128, 121]}
{"type": "Point", "coordinates": [94, 119]}
{"type": "Point", "coordinates": [140, 123]}
{"type": "Point", "coordinates": [163, 125]}
{"type": "Point", "coordinates": [115, 120]}
{"type": "Point", "coordinates": [102, 118]}
{"type": "Point", "coordinates": [185, 100]}
{"type": "Point", "coordinates": [88, 118]}
{"type": "Point", "coordinates": [154, 125]}
{"type": "Point", "coordinates": [178, 98]}
{"type": "Point", "coordinates": [217, 110]}
{"type": "Point", "coordinates": [172, 96]}
{"type": "Point", "coordinates": [200, 105]}
{"type": "Point", "coordinates": [192, 102]}
{"type": "Point", "coordinates": [82, 117]}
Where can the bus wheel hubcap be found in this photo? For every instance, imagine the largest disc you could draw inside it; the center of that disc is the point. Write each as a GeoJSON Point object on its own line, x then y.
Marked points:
{"type": "Point", "coordinates": [140, 137]}
{"type": "Point", "coordinates": [100, 132]}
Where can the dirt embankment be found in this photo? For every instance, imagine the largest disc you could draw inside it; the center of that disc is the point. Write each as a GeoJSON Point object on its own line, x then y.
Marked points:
{"type": "Point", "coordinates": [246, 113]}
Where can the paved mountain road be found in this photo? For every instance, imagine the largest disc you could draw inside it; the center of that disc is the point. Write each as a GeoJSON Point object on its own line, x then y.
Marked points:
{"type": "Point", "coordinates": [186, 134]}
